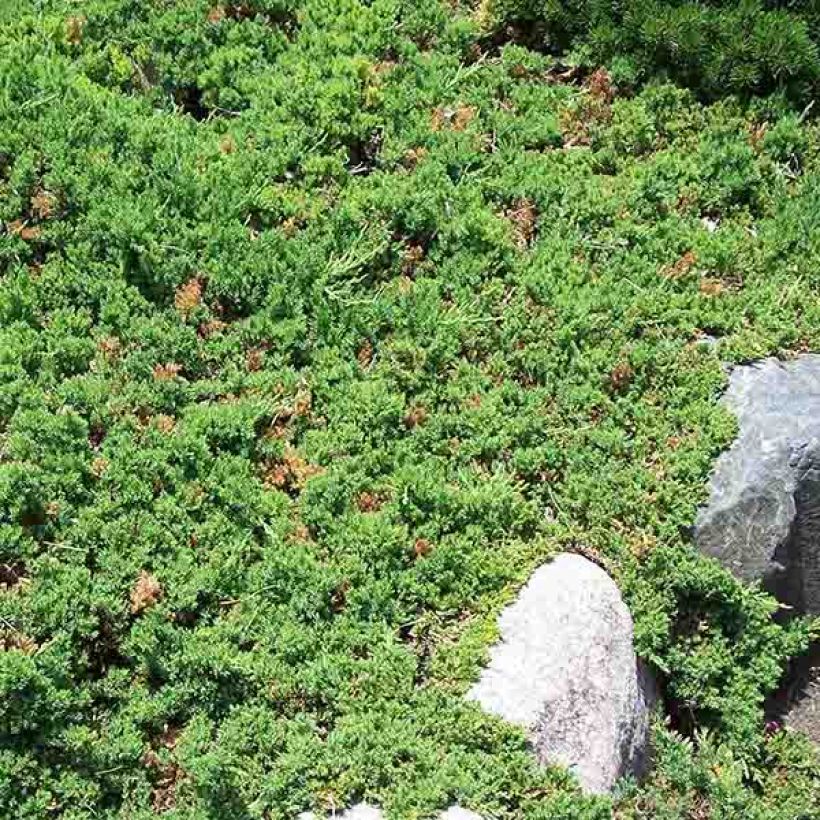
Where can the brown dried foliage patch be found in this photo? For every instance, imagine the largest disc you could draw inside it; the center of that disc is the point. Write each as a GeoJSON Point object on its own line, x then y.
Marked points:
{"type": "Point", "coordinates": [74, 27]}
{"type": "Point", "coordinates": [291, 472]}
{"type": "Point", "coordinates": [167, 372]}
{"type": "Point", "coordinates": [621, 377]}
{"type": "Point", "coordinates": [188, 297]}
{"type": "Point", "coordinates": [415, 416]}
{"type": "Point", "coordinates": [367, 501]}
{"type": "Point", "coordinates": [12, 639]}
{"type": "Point", "coordinates": [146, 592]}
{"type": "Point", "coordinates": [680, 267]}
{"type": "Point", "coordinates": [523, 217]}
{"type": "Point", "coordinates": [166, 775]}
{"type": "Point", "coordinates": [457, 118]}
{"type": "Point", "coordinates": [592, 111]}
{"type": "Point", "coordinates": [21, 228]}
{"type": "Point", "coordinates": [43, 204]}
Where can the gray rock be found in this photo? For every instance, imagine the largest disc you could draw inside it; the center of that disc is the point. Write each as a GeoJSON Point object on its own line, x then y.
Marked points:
{"type": "Point", "coordinates": [565, 670]}
{"type": "Point", "coordinates": [762, 520]}
{"type": "Point", "coordinates": [364, 812]}
{"type": "Point", "coordinates": [361, 811]}
{"type": "Point", "coordinates": [796, 702]}
{"type": "Point", "coordinates": [763, 517]}
{"type": "Point", "coordinates": [804, 711]}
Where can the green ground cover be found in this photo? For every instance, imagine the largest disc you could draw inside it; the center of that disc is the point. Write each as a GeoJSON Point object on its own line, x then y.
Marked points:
{"type": "Point", "coordinates": [321, 324]}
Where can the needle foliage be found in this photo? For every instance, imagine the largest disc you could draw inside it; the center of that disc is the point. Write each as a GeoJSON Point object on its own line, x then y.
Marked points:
{"type": "Point", "coordinates": [322, 323]}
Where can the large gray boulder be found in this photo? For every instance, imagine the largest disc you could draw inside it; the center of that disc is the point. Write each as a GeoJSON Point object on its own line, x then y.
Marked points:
{"type": "Point", "coordinates": [565, 669]}
{"type": "Point", "coordinates": [762, 520]}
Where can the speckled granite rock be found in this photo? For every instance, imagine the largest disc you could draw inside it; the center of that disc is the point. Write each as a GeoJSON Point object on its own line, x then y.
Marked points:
{"type": "Point", "coordinates": [565, 669]}
{"type": "Point", "coordinates": [364, 812]}
{"type": "Point", "coordinates": [360, 811]}
{"type": "Point", "coordinates": [763, 517]}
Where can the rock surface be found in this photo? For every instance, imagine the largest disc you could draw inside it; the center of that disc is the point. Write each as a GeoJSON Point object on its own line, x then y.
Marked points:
{"type": "Point", "coordinates": [364, 812]}
{"type": "Point", "coordinates": [565, 670]}
{"type": "Point", "coordinates": [361, 811]}
{"type": "Point", "coordinates": [762, 520]}
{"type": "Point", "coordinates": [804, 711]}
{"type": "Point", "coordinates": [796, 702]}
{"type": "Point", "coordinates": [763, 517]}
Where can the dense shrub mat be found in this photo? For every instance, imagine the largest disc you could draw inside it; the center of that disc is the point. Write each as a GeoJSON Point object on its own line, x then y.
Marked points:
{"type": "Point", "coordinates": [321, 324]}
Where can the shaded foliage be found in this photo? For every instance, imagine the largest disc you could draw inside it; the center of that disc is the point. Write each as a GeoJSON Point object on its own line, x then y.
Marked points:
{"type": "Point", "coordinates": [715, 47]}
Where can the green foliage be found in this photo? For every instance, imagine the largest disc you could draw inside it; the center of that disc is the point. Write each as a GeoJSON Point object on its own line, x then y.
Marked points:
{"type": "Point", "coordinates": [730, 46]}
{"type": "Point", "coordinates": [319, 329]}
